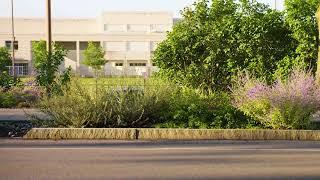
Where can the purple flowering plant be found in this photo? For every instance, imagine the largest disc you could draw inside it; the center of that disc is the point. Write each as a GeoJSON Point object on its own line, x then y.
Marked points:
{"type": "Point", "coordinates": [285, 104]}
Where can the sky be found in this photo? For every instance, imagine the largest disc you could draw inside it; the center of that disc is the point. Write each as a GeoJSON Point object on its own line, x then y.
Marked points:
{"type": "Point", "coordinates": [93, 8]}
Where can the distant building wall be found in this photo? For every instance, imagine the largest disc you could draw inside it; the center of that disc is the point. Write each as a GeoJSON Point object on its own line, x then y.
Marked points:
{"type": "Point", "coordinates": [129, 39]}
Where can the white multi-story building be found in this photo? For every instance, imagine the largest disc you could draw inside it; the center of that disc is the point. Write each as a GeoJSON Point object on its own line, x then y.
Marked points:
{"type": "Point", "coordinates": [129, 39]}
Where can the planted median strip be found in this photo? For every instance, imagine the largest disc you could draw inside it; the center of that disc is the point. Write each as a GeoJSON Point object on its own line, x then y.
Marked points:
{"type": "Point", "coordinates": [172, 134]}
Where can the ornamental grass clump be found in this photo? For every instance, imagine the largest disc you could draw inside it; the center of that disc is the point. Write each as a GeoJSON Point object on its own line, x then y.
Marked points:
{"type": "Point", "coordinates": [101, 106]}
{"type": "Point", "coordinates": [286, 104]}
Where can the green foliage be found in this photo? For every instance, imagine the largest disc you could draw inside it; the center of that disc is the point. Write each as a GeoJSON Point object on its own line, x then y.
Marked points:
{"type": "Point", "coordinates": [6, 81]}
{"type": "Point", "coordinates": [301, 20]}
{"type": "Point", "coordinates": [18, 97]}
{"type": "Point", "coordinates": [191, 109]}
{"type": "Point", "coordinates": [94, 56]}
{"type": "Point", "coordinates": [47, 66]}
{"type": "Point", "coordinates": [7, 100]}
{"type": "Point", "coordinates": [5, 59]}
{"type": "Point", "coordinates": [214, 41]}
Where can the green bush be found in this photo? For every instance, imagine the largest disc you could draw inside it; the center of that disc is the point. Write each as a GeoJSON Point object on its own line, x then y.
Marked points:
{"type": "Point", "coordinates": [6, 81]}
{"type": "Point", "coordinates": [191, 109]}
{"type": "Point", "coordinates": [7, 100]}
{"type": "Point", "coordinates": [19, 97]}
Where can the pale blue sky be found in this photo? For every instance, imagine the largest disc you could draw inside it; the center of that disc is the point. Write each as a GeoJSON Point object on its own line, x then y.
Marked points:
{"type": "Point", "coordinates": [92, 8]}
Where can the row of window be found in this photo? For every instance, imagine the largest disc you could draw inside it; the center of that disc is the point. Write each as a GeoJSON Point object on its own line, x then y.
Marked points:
{"type": "Point", "coordinates": [135, 28]}
{"type": "Point", "coordinates": [131, 64]}
{"type": "Point", "coordinates": [21, 69]}
{"type": "Point", "coordinates": [8, 45]}
{"type": "Point", "coordinates": [111, 46]}
{"type": "Point", "coordinates": [130, 46]}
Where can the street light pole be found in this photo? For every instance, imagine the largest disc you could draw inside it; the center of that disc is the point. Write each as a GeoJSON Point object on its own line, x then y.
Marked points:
{"type": "Point", "coordinates": [48, 27]}
{"type": "Point", "coordinates": [12, 42]}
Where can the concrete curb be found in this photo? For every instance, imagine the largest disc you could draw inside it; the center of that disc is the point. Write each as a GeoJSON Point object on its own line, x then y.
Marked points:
{"type": "Point", "coordinates": [227, 134]}
{"type": "Point", "coordinates": [81, 133]}
{"type": "Point", "coordinates": [172, 134]}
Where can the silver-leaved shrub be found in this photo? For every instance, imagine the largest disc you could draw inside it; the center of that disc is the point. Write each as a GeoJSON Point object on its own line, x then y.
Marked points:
{"type": "Point", "coordinates": [286, 104]}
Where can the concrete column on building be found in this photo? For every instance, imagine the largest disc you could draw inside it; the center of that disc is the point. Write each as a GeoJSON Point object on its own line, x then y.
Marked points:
{"type": "Point", "coordinates": [78, 57]}
{"type": "Point", "coordinates": [125, 61]}
{"type": "Point", "coordinates": [30, 63]}
{"type": "Point", "coordinates": [149, 64]}
{"type": "Point", "coordinates": [105, 68]}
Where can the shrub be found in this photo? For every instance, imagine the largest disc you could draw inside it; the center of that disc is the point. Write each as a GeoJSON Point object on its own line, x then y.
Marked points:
{"type": "Point", "coordinates": [192, 109]}
{"type": "Point", "coordinates": [5, 59]}
{"type": "Point", "coordinates": [286, 104]}
{"type": "Point", "coordinates": [6, 81]}
{"type": "Point", "coordinates": [19, 97]}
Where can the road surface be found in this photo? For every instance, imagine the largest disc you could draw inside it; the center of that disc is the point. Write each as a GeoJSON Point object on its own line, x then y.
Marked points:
{"type": "Point", "coordinates": [21, 159]}
{"type": "Point", "coordinates": [18, 114]}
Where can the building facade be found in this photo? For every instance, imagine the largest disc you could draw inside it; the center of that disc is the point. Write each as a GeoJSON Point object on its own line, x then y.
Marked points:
{"type": "Point", "coordinates": [129, 39]}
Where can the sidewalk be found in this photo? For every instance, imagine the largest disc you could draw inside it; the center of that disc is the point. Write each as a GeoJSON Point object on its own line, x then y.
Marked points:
{"type": "Point", "coordinates": [17, 114]}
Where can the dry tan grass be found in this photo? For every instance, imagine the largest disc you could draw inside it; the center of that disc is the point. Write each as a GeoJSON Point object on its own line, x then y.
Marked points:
{"type": "Point", "coordinates": [172, 134]}
{"type": "Point", "coordinates": [227, 134]}
{"type": "Point", "coordinates": [80, 133]}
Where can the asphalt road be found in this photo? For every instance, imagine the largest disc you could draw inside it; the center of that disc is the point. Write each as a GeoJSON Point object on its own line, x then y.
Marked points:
{"type": "Point", "coordinates": [18, 114]}
{"type": "Point", "coordinates": [21, 159]}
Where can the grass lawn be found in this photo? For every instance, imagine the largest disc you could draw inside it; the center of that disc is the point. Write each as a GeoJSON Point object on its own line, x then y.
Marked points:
{"type": "Point", "coordinates": [107, 81]}
{"type": "Point", "coordinates": [113, 81]}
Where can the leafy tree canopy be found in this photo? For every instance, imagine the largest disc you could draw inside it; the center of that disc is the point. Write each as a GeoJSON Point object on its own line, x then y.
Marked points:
{"type": "Point", "coordinates": [5, 59]}
{"type": "Point", "coordinates": [216, 39]}
{"type": "Point", "coordinates": [94, 56]}
{"type": "Point", "coordinates": [47, 67]}
{"type": "Point", "coordinates": [301, 20]}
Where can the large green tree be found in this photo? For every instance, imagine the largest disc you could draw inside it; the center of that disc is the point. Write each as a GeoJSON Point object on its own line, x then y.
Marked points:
{"type": "Point", "coordinates": [301, 20]}
{"type": "Point", "coordinates": [216, 39]}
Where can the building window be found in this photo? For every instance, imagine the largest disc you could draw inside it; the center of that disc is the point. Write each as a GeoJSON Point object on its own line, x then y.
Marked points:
{"type": "Point", "coordinates": [158, 28]}
{"type": "Point", "coordinates": [118, 64]}
{"type": "Point", "coordinates": [8, 45]}
{"type": "Point", "coordinates": [115, 27]}
{"type": "Point", "coordinates": [138, 46]}
{"type": "Point", "coordinates": [21, 69]}
{"type": "Point", "coordinates": [138, 64]}
{"type": "Point", "coordinates": [115, 46]}
{"type": "Point", "coordinates": [137, 28]}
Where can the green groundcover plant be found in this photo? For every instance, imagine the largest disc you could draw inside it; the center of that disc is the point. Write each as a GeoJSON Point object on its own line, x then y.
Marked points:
{"type": "Point", "coordinates": [286, 104]}
{"type": "Point", "coordinates": [19, 97]}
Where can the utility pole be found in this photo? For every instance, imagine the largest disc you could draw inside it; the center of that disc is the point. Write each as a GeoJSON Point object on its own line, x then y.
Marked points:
{"type": "Point", "coordinates": [48, 27]}
{"type": "Point", "coordinates": [12, 42]}
{"type": "Point", "coordinates": [275, 4]}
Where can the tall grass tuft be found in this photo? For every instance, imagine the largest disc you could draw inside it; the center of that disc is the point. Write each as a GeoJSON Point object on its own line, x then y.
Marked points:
{"type": "Point", "coordinates": [109, 106]}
